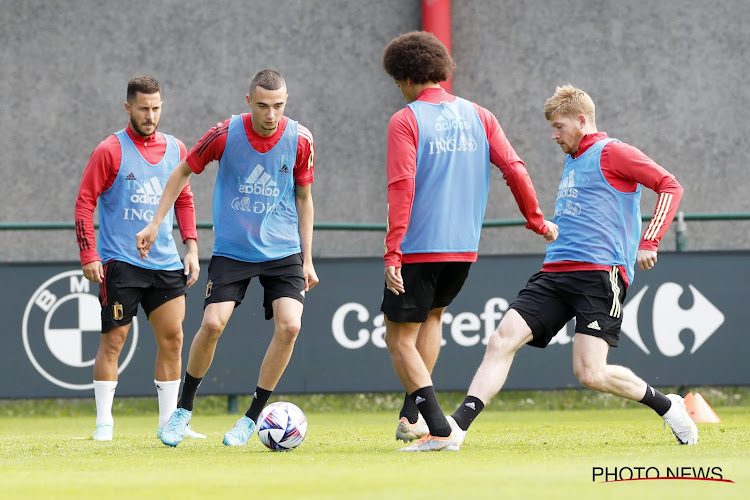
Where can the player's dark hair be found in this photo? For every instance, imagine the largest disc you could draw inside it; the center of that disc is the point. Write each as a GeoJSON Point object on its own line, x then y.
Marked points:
{"type": "Point", "coordinates": [144, 84]}
{"type": "Point", "coordinates": [420, 56]}
{"type": "Point", "coordinates": [267, 79]}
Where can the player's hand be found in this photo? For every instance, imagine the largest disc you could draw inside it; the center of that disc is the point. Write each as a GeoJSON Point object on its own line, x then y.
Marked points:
{"type": "Point", "coordinates": [145, 238]}
{"type": "Point", "coordinates": [646, 259]}
{"type": "Point", "coordinates": [192, 267]}
{"type": "Point", "coordinates": [552, 232]}
{"type": "Point", "coordinates": [311, 277]}
{"type": "Point", "coordinates": [393, 279]}
{"type": "Point", "coordinates": [94, 271]}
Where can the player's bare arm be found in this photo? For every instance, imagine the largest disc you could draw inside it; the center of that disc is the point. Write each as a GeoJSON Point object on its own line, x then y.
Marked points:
{"type": "Point", "coordinates": [393, 279]}
{"type": "Point", "coordinates": [305, 213]}
{"type": "Point", "coordinates": [94, 271]}
{"type": "Point", "coordinates": [552, 232]}
{"type": "Point", "coordinates": [191, 262]}
{"type": "Point", "coordinates": [178, 179]}
{"type": "Point", "coordinates": [646, 259]}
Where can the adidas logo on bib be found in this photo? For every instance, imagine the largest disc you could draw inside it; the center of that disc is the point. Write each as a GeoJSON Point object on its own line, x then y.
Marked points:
{"type": "Point", "coordinates": [259, 182]}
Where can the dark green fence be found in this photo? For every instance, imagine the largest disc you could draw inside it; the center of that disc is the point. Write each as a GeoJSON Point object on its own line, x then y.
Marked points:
{"type": "Point", "coordinates": [680, 224]}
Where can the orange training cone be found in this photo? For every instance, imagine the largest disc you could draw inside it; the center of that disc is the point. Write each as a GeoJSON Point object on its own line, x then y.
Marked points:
{"type": "Point", "coordinates": [700, 411]}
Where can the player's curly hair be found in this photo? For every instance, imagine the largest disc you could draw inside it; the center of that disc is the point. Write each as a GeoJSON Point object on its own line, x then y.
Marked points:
{"type": "Point", "coordinates": [420, 56]}
{"type": "Point", "coordinates": [144, 84]}
{"type": "Point", "coordinates": [570, 101]}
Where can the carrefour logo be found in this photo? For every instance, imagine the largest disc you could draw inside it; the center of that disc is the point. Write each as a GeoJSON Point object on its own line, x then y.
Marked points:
{"type": "Point", "coordinates": [354, 327]}
{"type": "Point", "coordinates": [669, 319]}
{"type": "Point", "coordinates": [61, 330]}
{"type": "Point", "coordinates": [466, 328]}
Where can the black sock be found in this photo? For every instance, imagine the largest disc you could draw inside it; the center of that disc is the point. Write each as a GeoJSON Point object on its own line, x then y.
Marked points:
{"type": "Point", "coordinates": [467, 412]}
{"type": "Point", "coordinates": [409, 409]}
{"type": "Point", "coordinates": [656, 401]}
{"type": "Point", "coordinates": [428, 406]}
{"type": "Point", "coordinates": [189, 388]}
{"type": "Point", "coordinates": [260, 398]}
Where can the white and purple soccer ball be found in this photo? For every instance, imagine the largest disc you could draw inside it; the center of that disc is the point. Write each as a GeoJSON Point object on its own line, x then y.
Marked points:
{"type": "Point", "coordinates": [282, 426]}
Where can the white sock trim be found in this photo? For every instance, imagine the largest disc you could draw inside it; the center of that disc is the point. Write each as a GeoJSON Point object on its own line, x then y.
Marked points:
{"type": "Point", "coordinates": [167, 392]}
{"type": "Point", "coordinates": [104, 395]}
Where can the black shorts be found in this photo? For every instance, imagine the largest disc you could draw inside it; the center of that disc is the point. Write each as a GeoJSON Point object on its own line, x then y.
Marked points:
{"type": "Point", "coordinates": [428, 285]}
{"type": "Point", "coordinates": [228, 280]}
{"type": "Point", "coordinates": [593, 298]}
{"type": "Point", "coordinates": [125, 286]}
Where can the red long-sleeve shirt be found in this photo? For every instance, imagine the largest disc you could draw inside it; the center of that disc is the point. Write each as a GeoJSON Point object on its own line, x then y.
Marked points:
{"type": "Point", "coordinates": [101, 172]}
{"type": "Point", "coordinates": [625, 167]}
{"type": "Point", "coordinates": [403, 138]}
{"type": "Point", "coordinates": [211, 147]}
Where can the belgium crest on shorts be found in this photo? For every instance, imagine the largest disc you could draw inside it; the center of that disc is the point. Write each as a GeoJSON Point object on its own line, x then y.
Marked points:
{"type": "Point", "coordinates": [117, 311]}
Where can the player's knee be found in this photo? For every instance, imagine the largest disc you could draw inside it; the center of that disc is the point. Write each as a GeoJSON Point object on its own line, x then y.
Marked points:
{"type": "Point", "coordinates": [170, 340]}
{"type": "Point", "coordinates": [212, 327]}
{"type": "Point", "coordinates": [501, 342]}
{"type": "Point", "coordinates": [398, 343]}
{"type": "Point", "coordinates": [588, 377]}
{"type": "Point", "coordinates": [113, 341]}
{"type": "Point", "coordinates": [390, 340]}
{"type": "Point", "coordinates": [288, 329]}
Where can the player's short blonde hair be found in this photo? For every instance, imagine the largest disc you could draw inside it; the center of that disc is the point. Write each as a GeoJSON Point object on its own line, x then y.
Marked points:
{"type": "Point", "coordinates": [570, 101]}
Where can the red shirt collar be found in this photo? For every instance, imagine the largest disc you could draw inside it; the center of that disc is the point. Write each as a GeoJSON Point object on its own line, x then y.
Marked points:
{"type": "Point", "coordinates": [137, 139]}
{"type": "Point", "coordinates": [256, 137]}
{"type": "Point", "coordinates": [435, 95]}
{"type": "Point", "coordinates": [588, 140]}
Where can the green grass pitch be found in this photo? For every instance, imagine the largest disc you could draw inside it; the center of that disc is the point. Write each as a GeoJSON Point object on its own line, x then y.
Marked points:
{"type": "Point", "coordinates": [350, 454]}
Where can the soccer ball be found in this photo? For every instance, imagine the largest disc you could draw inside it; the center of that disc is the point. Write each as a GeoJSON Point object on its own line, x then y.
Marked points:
{"type": "Point", "coordinates": [282, 426]}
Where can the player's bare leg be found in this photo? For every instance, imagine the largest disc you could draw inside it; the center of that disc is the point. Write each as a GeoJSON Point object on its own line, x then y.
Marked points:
{"type": "Point", "coordinates": [202, 349]}
{"type": "Point", "coordinates": [510, 335]}
{"type": "Point", "coordinates": [591, 368]}
{"type": "Point", "coordinates": [110, 347]}
{"type": "Point", "coordinates": [412, 424]}
{"type": "Point", "coordinates": [287, 314]}
{"type": "Point", "coordinates": [401, 340]}
{"type": "Point", "coordinates": [166, 321]}
{"type": "Point", "coordinates": [105, 379]}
